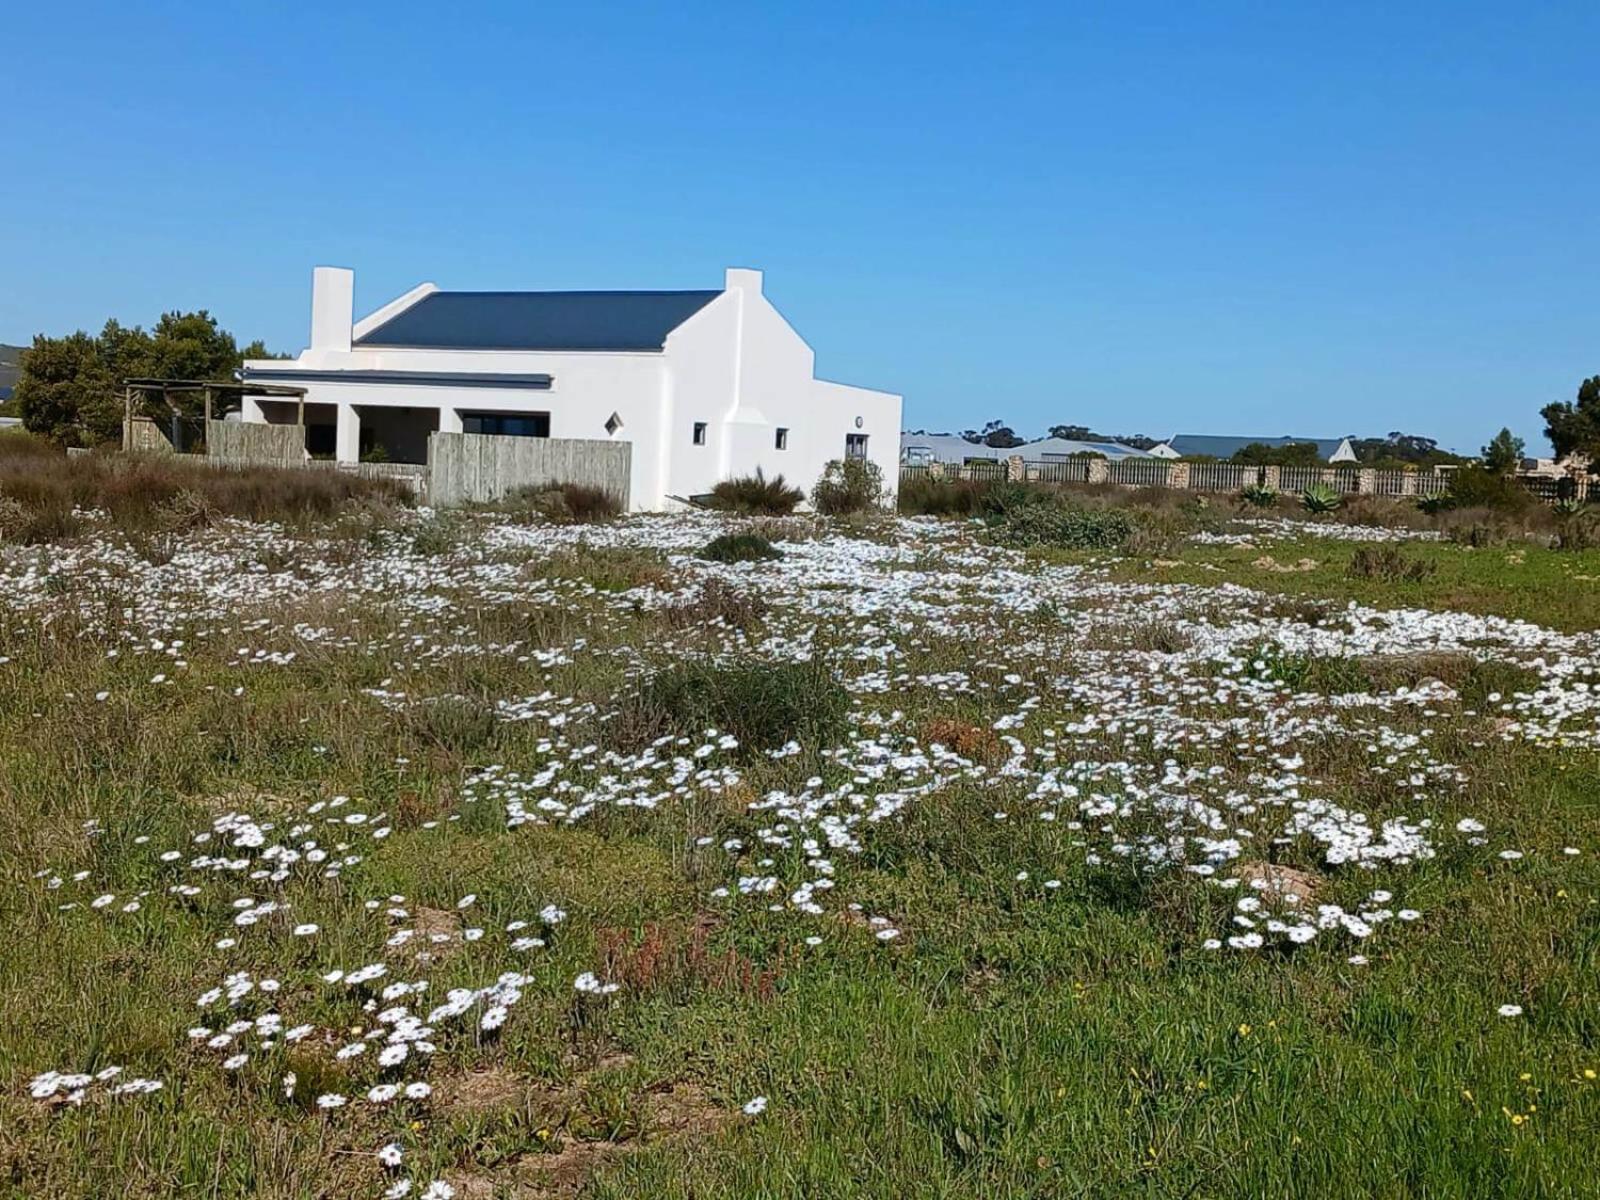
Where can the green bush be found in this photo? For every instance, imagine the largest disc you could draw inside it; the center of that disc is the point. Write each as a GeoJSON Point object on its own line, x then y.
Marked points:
{"type": "Point", "coordinates": [1319, 498]}
{"type": "Point", "coordinates": [923, 496]}
{"type": "Point", "coordinates": [740, 548]}
{"type": "Point", "coordinates": [756, 495]}
{"type": "Point", "coordinates": [1389, 565]}
{"type": "Point", "coordinates": [1475, 486]}
{"type": "Point", "coordinates": [1064, 526]}
{"type": "Point", "coordinates": [848, 485]}
{"type": "Point", "coordinates": [1259, 495]}
{"type": "Point", "coordinates": [765, 705]}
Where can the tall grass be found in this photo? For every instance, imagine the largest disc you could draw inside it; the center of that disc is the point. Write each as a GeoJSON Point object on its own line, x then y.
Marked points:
{"type": "Point", "coordinates": [41, 489]}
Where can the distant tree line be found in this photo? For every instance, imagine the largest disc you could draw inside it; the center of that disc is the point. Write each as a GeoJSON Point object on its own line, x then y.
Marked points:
{"type": "Point", "coordinates": [70, 388]}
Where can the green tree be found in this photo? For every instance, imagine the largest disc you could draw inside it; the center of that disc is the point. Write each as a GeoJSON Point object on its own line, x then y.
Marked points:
{"type": "Point", "coordinates": [70, 388]}
{"type": "Point", "coordinates": [1574, 428]}
{"type": "Point", "coordinates": [1504, 453]}
{"type": "Point", "coordinates": [1295, 454]}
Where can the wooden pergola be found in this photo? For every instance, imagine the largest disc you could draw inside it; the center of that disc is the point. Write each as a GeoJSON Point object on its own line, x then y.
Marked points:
{"type": "Point", "coordinates": [212, 389]}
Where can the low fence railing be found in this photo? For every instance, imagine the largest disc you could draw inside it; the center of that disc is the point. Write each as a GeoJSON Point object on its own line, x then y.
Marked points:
{"type": "Point", "coordinates": [1216, 477]}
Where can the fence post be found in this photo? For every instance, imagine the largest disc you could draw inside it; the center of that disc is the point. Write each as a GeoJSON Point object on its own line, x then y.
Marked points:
{"type": "Point", "coordinates": [1408, 483]}
{"type": "Point", "coordinates": [1016, 469]}
{"type": "Point", "coordinates": [1178, 476]}
{"type": "Point", "coordinates": [1099, 470]}
{"type": "Point", "coordinates": [1366, 481]}
{"type": "Point", "coordinates": [936, 470]}
{"type": "Point", "coordinates": [1270, 477]}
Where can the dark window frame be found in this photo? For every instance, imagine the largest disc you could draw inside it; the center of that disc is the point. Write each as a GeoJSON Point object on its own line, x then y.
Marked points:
{"type": "Point", "coordinates": [780, 440]}
{"type": "Point", "coordinates": [505, 424]}
{"type": "Point", "coordinates": [699, 433]}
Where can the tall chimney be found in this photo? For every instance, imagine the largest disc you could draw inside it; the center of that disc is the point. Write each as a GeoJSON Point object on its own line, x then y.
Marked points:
{"type": "Point", "coordinates": [332, 307]}
{"type": "Point", "coordinates": [742, 279]}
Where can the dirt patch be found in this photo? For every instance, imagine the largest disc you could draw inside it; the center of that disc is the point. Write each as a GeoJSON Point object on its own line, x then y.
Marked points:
{"type": "Point", "coordinates": [249, 802]}
{"type": "Point", "coordinates": [483, 1090]}
{"type": "Point", "coordinates": [1279, 884]}
{"type": "Point", "coordinates": [676, 1110]}
{"type": "Point", "coordinates": [1389, 672]}
{"type": "Point", "coordinates": [973, 742]}
{"type": "Point", "coordinates": [435, 935]}
{"type": "Point", "coordinates": [1267, 563]}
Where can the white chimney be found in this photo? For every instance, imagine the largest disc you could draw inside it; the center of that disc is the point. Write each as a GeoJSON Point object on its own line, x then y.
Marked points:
{"type": "Point", "coordinates": [742, 279]}
{"type": "Point", "coordinates": [332, 307]}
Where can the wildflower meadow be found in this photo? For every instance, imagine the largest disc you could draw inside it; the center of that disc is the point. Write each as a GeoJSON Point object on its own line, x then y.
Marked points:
{"type": "Point", "coordinates": [392, 853]}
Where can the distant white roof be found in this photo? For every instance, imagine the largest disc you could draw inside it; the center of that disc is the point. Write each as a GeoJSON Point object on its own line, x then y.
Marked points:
{"type": "Point", "coordinates": [948, 448]}
{"type": "Point", "coordinates": [1047, 448]}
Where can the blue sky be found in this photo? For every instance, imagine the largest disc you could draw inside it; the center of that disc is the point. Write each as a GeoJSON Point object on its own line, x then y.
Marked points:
{"type": "Point", "coordinates": [1262, 218]}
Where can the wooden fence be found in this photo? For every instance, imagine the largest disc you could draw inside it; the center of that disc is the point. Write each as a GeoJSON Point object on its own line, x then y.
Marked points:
{"type": "Point", "coordinates": [474, 468]}
{"type": "Point", "coordinates": [1215, 477]}
{"type": "Point", "coordinates": [237, 444]}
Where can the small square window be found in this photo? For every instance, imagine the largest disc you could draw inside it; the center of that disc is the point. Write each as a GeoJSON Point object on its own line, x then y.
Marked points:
{"type": "Point", "coordinates": [781, 441]}
{"type": "Point", "coordinates": [699, 433]}
{"type": "Point", "coordinates": [855, 445]}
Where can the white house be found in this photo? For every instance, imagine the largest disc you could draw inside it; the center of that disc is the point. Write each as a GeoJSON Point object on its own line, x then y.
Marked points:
{"type": "Point", "coordinates": [1184, 445]}
{"type": "Point", "coordinates": [706, 385]}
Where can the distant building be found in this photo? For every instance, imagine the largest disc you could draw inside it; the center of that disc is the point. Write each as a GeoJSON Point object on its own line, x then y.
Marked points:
{"type": "Point", "coordinates": [705, 384]}
{"type": "Point", "coordinates": [1192, 445]}
{"type": "Point", "coordinates": [923, 449]}
{"type": "Point", "coordinates": [10, 370]}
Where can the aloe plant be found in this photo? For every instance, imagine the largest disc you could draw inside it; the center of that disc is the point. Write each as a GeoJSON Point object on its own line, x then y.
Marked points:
{"type": "Point", "coordinates": [1319, 498]}
{"type": "Point", "coordinates": [1259, 495]}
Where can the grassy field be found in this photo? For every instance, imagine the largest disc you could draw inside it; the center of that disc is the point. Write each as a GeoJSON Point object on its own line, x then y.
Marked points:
{"type": "Point", "coordinates": [901, 865]}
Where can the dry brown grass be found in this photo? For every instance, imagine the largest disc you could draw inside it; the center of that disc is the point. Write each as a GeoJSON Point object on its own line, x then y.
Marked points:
{"type": "Point", "coordinates": [976, 743]}
{"type": "Point", "coordinates": [153, 494]}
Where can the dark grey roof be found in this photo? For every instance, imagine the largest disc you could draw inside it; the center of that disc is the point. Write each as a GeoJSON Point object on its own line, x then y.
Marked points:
{"type": "Point", "coordinates": [478, 379]}
{"type": "Point", "coordinates": [1226, 447]}
{"type": "Point", "coordinates": [539, 320]}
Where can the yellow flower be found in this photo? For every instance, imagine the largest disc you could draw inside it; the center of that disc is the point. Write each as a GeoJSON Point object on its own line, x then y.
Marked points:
{"type": "Point", "coordinates": [1588, 1072]}
{"type": "Point", "coordinates": [1244, 1031]}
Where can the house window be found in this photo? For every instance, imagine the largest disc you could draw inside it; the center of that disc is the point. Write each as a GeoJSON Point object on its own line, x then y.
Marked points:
{"type": "Point", "coordinates": [855, 445]}
{"type": "Point", "coordinates": [699, 433]}
{"type": "Point", "coordinates": [781, 441]}
{"type": "Point", "coordinates": [507, 424]}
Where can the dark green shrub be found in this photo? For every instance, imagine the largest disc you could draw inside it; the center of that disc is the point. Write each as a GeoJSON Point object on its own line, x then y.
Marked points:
{"type": "Point", "coordinates": [1387, 564]}
{"type": "Point", "coordinates": [765, 705]}
{"type": "Point", "coordinates": [1475, 486]}
{"type": "Point", "coordinates": [757, 495]}
{"type": "Point", "coordinates": [848, 485]}
{"type": "Point", "coordinates": [1063, 526]}
{"type": "Point", "coordinates": [740, 548]}
{"type": "Point", "coordinates": [923, 496]}
{"type": "Point", "coordinates": [566, 503]}
{"type": "Point", "coordinates": [437, 535]}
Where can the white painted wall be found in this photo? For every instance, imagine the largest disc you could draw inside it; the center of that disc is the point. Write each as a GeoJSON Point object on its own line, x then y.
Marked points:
{"type": "Point", "coordinates": [736, 365]}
